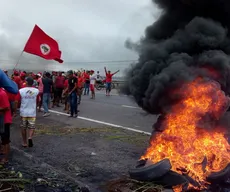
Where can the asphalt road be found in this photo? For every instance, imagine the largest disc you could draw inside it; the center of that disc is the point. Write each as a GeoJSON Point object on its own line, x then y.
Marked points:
{"type": "Point", "coordinates": [117, 110]}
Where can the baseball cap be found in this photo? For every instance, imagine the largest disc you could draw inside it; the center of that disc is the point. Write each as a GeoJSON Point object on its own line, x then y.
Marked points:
{"type": "Point", "coordinates": [16, 73]}
{"type": "Point", "coordinates": [70, 72]}
{"type": "Point", "coordinates": [22, 74]}
{"type": "Point", "coordinates": [30, 81]}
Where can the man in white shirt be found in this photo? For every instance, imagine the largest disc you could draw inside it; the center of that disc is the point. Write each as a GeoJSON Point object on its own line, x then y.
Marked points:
{"type": "Point", "coordinates": [28, 97]}
{"type": "Point", "coordinates": [99, 77]}
{"type": "Point", "coordinates": [93, 79]}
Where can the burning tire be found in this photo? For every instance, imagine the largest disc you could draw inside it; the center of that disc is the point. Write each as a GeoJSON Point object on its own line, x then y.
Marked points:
{"type": "Point", "coordinates": [220, 176]}
{"type": "Point", "coordinates": [148, 171]}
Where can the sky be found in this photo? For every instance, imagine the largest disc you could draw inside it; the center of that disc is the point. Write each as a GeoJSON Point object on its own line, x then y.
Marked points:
{"type": "Point", "coordinates": [89, 32]}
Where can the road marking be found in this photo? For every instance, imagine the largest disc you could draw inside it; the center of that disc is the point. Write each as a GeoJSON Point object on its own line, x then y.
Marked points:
{"type": "Point", "coordinates": [112, 94]}
{"type": "Point", "coordinates": [103, 123]}
{"type": "Point", "coordinates": [132, 107]}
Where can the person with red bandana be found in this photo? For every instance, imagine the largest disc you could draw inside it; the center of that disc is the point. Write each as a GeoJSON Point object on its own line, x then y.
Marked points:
{"type": "Point", "coordinates": [108, 80]}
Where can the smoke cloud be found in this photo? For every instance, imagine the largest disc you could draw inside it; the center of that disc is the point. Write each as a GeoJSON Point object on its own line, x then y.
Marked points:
{"type": "Point", "coordinates": [190, 39]}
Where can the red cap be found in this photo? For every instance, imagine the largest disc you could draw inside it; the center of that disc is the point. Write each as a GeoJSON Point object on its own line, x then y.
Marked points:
{"type": "Point", "coordinates": [16, 73]}
{"type": "Point", "coordinates": [22, 75]}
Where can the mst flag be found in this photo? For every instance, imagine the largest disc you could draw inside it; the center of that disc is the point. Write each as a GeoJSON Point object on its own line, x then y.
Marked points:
{"type": "Point", "coordinates": [42, 45]}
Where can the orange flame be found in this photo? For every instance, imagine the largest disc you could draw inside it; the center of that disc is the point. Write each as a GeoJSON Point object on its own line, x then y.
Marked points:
{"type": "Point", "coordinates": [184, 142]}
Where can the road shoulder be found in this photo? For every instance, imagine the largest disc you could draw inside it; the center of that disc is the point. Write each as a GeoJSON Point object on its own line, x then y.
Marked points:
{"type": "Point", "coordinates": [90, 155]}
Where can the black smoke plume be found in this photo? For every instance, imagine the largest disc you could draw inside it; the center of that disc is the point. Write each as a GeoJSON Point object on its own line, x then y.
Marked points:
{"type": "Point", "coordinates": [190, 39]}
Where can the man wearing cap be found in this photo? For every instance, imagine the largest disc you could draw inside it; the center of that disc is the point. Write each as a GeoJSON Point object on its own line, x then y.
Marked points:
{"type": "Point", "coordinates": [28, 97]}
{"type": "Point", "coordinates": [32, 75]}
{"type": "Point", "coordinates": [72, 90]}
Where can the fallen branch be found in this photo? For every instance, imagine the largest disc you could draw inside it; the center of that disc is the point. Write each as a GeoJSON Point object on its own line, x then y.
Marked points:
{"type": "Point", "coordinates": [4, 190]}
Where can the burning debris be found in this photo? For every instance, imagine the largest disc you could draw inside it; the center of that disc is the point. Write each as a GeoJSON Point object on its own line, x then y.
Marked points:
{"type": "Point", "coordinates": [183, 73]}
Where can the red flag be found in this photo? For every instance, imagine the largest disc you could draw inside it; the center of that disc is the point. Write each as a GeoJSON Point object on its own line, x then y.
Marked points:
{"type": "Point", "coordinates": [42, 45]}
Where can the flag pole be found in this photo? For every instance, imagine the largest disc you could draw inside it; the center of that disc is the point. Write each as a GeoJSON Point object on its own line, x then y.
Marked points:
{"type": "Point", "coordinates": [18, 59]}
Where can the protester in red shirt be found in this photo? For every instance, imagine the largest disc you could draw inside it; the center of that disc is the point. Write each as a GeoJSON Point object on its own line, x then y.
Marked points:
{"type": "Point", "coordinates": [23, 80]}
{"type": "Point", "coordinates": [59, 87]}
{"type": "Point", "coordinates": [17, 79]}
{"type": "Point", "coordinates": [80, 86]}
{"type": "Point", "coordinates": [12, 99]}
{"type": "Point", "coordinates": [108, 80]}
{"type": "Point", "coordinates": [87, 82]}
{"type": "Point", "coordinates": [22, 84]}
{"type": "Point", "coordinates": [5, 136]}
{"type": "Point", "coordinates": [65, 95]}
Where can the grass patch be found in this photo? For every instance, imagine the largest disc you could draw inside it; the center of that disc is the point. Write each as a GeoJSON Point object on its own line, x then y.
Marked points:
{"type": "Point", "coordinates": [108, 133]}
{"type": "Point", "coordinates": [138, 139]}
{"type": "Point", "coordinates": [53, 130]}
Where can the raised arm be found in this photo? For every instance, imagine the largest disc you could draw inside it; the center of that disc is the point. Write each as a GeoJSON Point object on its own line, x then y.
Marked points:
{"type": "Point", "coordinates": [105, 70]}
{"type": "Point", "coordinates": [116, 72]}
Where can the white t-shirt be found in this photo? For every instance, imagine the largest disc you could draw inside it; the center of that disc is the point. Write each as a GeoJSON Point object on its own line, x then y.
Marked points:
{"type": "Point", "coordinates": [28, 101]}
{"type": "Point", "coordinates": [93, 79]}
{"type": "Point", "coordinates": [99, 77]}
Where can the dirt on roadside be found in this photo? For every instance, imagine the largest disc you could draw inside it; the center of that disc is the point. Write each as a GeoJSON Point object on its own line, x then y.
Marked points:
{"type": "Point", "coordinates": [90, 155]}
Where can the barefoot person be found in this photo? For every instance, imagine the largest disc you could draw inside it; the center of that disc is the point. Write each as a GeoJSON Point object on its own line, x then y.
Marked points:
{"type": "Point", "coordinates": [109, 77]}
{"type": "Point", "coordinates": [28, 97]}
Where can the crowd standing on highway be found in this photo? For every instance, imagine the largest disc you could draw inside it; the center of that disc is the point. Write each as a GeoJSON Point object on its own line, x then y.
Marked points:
{"type": "Point", "coordinates": [29, 92]}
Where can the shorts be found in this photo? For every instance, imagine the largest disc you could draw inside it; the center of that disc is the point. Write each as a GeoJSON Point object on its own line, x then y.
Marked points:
{"type": "Point", "coordinates": [92, 88]}
{"type": "Point", "coordinates": [28, 122]}
{"type": "Point", "coordinates": [5, 137]}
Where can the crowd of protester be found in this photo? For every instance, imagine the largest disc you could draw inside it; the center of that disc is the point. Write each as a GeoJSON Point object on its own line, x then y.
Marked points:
{"type": "Point", "coordinates": [29, 92]}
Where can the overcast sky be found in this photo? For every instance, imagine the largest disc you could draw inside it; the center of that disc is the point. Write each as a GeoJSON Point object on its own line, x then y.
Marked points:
{"type": "Point", "coordinates": [86, 30]}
